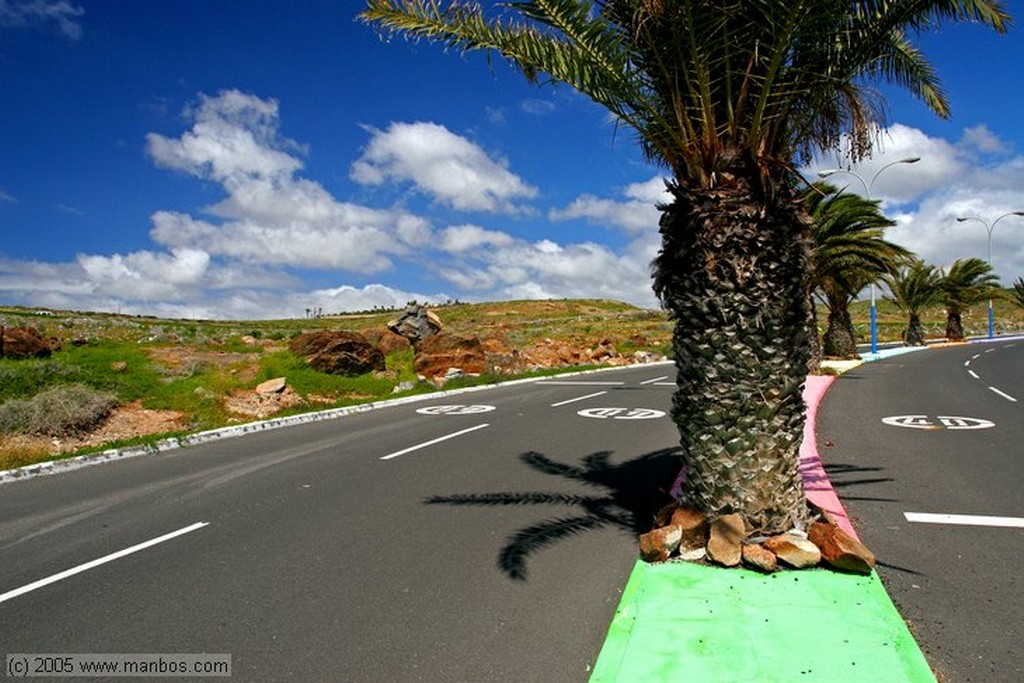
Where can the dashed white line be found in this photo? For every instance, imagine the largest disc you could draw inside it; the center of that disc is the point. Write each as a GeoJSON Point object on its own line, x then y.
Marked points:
{"type": "Point", "coordinates": [578, 398]}
{"type": "Point", "coordinates": [1003, 394]}
{"type": "Point", "coordinates": [554, 383]}
{"type": "Point", "coordinates": [967, 364]}
{"type": "Point", "coordinates": [973, 374]}
{"type": "Point", "coordinates": [417, 447]}
{"type": "Point", "coordinates": [966, 520]}
{"type": "Point", "coordinates": [653, 381]}
{"type": "Point", "coordinates": [97, 562]}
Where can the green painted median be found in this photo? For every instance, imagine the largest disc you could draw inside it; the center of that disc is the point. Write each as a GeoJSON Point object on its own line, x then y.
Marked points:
{"type": "Point", "coordinates": [682, 621]}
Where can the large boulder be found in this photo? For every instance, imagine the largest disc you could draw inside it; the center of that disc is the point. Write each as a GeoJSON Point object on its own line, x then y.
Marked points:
{"type": "Point", "coordinates": [386, 340]}
{"type": "Point", "coordinates": [23, 342]}
{"type": "Point", "coordinates": [416, 324]}
{"type": "Point", "coordinates": [339, 352]}
{"type": "Point", "coordinates": [438, 354]}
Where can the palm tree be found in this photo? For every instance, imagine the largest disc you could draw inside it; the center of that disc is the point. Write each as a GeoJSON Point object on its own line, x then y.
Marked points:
{"type": "Point", "coordinates": [726, 95]}
{"type": "Point", "coordinates": [914, 288]}
{"type": "Point", "coordinates": [848, 252]}
{"type": "Point", "coordinates": [968, 281]}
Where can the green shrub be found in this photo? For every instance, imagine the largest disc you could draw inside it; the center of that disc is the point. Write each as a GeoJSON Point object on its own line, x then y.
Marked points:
{"type": "Point", "coordinates": [23, 378]}
{"type": "Point", "coordinates": [58, 411]}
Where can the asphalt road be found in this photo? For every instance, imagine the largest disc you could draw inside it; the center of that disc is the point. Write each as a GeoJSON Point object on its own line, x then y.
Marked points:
{"type": "Point", "coordinates": [956, 580]}
{"type": "Point", "coordinates": [399, 544]}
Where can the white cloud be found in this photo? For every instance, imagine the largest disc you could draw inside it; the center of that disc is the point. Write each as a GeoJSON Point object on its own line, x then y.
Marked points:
{"type": "Point", "coordinates": [448, 167]}
{"type": "Point", "coordinates": [7, 197]}
{"type": "Point", "coordinates": [462, 238]}
{"type": "Point", "coordinates": [638, 214]}
{"type": "Point", "coordinates": [64, 14]}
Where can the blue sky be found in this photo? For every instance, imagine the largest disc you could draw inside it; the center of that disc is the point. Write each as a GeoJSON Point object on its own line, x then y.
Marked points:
{"type": "Point", "coordinates": [229, 159]}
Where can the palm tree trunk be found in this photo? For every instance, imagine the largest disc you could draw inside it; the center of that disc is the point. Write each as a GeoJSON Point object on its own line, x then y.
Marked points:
{"type": "Point", "coordinates": [915, 331]}
{"type": "Point", "coordinates": [839, 341]}
{"type": "Point", "coordinates": [954, 325]}
{"type": "Point", "coordinates": [814, 341]}
{"type": "Point", "coordinates": [732, 272]}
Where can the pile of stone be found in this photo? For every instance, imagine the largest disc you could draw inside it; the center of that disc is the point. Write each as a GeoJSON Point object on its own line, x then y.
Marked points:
{"type": "Point", "coordinates": [685, 533]}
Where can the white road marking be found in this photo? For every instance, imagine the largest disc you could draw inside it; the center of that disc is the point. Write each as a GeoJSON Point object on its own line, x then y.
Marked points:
{"type": "Point", "coordinates": [1003, 394]}
{"type": "Point", "coordinates": [578, 398]}
{"type": "Point", "coordinates": [97, 562]}
{"type": "Point", "coordinates": [989, 350]}
{"type": "Point", "coordinates": [580, 384]}
{"type": "Point", "coordinates": [973, 374]}
{"type": "Point", "coordinates": [455, 410]}
{"type": "Point", "coordinates": [653, 381]}
{"type": "Point", "coordinates": [968, 520]}
{"type": "Point", "coordinates": [967, 364]}
{"type": "Point", "coordinates": [976, 356]}
{"type": "Point", "coordinates": [417, 447]}
{"type": "Point", "coordinates": [622, 413]}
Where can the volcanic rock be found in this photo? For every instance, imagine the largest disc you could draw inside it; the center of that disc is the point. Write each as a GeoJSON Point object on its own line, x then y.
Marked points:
{"type": "Point", "coordinates": [438, 354]}
{"type": "Point", "coordinates": [659, 544]}
{"type": "Point", "coordinates": [794, 550]}
{"type": "Point", "coordinates": [339, 352]}
{"type": "Point", "coordinates": [416, 324]}
{"type": "Point", "coordinates": [692, 524]}
{"type": "Point", "coordinates": [23, 342]}
{"type": "Point", "coordinates": [760, 558]}
{"type": "Point", "coordinates": [841, 550]}
{"type": "Point", "coordinates": [725, 542]}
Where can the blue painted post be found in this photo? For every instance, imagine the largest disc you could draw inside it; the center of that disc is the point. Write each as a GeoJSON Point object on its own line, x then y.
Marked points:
{"type": "Point", "coordinates": [874, 329]}
{"type": "Point", "coordinates": [991, 320]}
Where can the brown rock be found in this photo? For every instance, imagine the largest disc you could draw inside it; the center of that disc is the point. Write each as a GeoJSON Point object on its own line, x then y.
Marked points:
{"type": "Point", "coordinates": [386, 340]}
{"type": "Point", "coordinates": [119, 366]}
{"type": "Point", "coordinates": [841, 550]}
{"type": "Point", "coordinates": [23, 342]}
{"type": "Point", "coordinates": [438, 354]}
{"type": "Point", "coordinates": [794, 550]}
{"type": "Point", "coordinates": [725, 542]}
{"type": "Point", "coordinates": [339, 352]}
{"type": "Point", "coordinates": [760, 558]}
{"type": "Point", "coordinates": [693, 524]}
{"type": "Point", "coordinates": [659, 544]}
{"type": "Point", "coordinates": [272, 386]}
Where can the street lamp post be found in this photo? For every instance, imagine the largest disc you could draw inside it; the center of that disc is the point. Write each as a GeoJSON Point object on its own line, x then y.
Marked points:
{"type": "Point", "coordinates": [989, 227]}
{"type": "Point", "coordinates": [867, 193]}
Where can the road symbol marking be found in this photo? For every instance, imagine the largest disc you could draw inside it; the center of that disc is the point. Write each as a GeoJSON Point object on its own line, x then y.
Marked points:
{"type": "Point", "coordinates": [97, 562]}
{"type": "Point", "coordinates": [455, 410]}
{"type": "Point", "coordinates": [439, 439]}
{"type": "Point", "coordinates": [943, 422]}
{"type": "Point", "coordinates": [578, 398]}
{"type": "Point", "coordinates": [622, 413]}
{"type": "Point", "coordinates": [968, 520]}
{"type": "Point", "coordinates": [1003, 394]}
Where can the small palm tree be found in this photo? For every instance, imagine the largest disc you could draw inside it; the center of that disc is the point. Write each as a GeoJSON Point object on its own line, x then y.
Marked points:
{"type": "Point", "coordinates": [848, 252]}
{"type": "Point", "coordinates": [969, 281]}
{"type": "Point", "coordinates": [915, 288]}
{"type": "Point", "coordinates": [728, 96]}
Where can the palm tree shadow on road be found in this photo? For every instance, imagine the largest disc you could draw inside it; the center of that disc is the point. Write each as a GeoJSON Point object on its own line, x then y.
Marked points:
{"type": "Point", "coordinates": [627, 496]}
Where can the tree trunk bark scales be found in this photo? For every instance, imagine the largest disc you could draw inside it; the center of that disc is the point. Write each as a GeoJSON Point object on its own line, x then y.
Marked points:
{"type": "Point", "coordinates": [732, 272]}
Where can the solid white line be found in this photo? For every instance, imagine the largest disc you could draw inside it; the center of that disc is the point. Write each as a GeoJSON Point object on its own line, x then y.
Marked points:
{"type": "Point", "coordinates": [968, 520]}
{"type": "Point", "coordinates": [1003, 394]}
{"type": "Point", "coordinates": [654, 381]}
{"type": "Point", "coordinates": [434, 441]}
{"type": "Point", "coordinates": [578, 398]}
{"type": "Point", "coordinates": [973, 374]}
{"type": "Point", "coordinates": [95, 563]}
{"type": "Point", "coordinates": [581, 384]}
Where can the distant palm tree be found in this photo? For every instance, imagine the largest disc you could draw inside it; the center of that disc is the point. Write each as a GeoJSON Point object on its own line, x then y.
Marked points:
{"type": "Point", "coordinates": [915, 288]}
{"type": "Point", "coordinates": [727, 95]}
{"type": "Point", "coordinates": [848, 252]}
{"type": "Point", "coordinates": [1016, 295]}
{"type": "Point", "coordinates": [969, 281]}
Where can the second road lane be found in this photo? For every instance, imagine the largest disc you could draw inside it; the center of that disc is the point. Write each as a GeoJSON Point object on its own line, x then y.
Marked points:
{"type": "Point", "coordinates": [480, 536]}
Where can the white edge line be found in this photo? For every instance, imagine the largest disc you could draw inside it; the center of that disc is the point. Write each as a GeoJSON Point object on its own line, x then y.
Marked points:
{"type": "Point", "coordinates": [653, 381]}
{"type": "Point", "coordinates": [1003, 394]}
{"type": "Point", "coordinates": [578, 398]}
{"type": "Point", "coordinates": [973, 374]}
{"type": "Point", "coordinates": [967, 520]}
{"type": "Point", "coordinates": [97, 562]}
{"type": "Point", "coordinates": [410, 449]}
